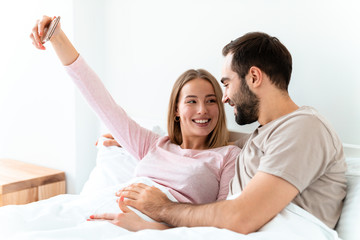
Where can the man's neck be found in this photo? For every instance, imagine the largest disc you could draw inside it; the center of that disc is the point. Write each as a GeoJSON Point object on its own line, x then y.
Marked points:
{"type": "Point", "coordinates": [274, 107]}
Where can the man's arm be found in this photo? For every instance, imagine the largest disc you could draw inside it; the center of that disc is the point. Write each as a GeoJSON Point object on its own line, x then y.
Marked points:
{"type": "Point", "coordinates": [264, 197]}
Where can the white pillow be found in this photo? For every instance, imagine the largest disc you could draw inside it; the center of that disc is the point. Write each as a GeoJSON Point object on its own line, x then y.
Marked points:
{"type": "Point", "coordinates": [114, 165]}
{"type": "Point", "coordinates": [348, 226]}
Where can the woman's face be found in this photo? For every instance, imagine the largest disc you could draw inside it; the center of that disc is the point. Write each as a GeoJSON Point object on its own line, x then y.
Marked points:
{"type": "Point", "coordinates": [197, 108]}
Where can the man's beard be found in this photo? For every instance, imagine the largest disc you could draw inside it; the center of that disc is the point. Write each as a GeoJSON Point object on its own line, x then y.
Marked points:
{"type": "Point", "coordinates": [246, 104]}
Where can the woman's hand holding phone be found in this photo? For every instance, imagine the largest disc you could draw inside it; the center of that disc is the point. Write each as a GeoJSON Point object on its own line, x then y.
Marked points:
{"type": "Point", "coordinates": [43, 30]}
{"type": "Point", "coordinates": [61, 44]}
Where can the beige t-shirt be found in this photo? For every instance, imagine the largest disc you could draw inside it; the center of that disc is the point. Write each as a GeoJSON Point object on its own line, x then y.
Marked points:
{"type": "Point", "coordinates": [303, 149]}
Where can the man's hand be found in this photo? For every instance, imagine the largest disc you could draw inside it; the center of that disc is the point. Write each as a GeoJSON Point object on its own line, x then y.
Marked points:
{"type": "Point", "coordinates": [110, 142]}
{"type": "Point", "coordinates": [264, 197]}
{"type": "Point", "coordinates": [147, 199]}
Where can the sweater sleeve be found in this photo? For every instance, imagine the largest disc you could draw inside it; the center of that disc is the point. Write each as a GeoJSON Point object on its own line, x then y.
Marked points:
{"type": "Point", "coordinates": [228, 172]}
{"type": "Point", "coordinates": [130, 135]}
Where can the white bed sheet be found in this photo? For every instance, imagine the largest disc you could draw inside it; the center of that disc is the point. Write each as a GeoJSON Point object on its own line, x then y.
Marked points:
{"type": "Point", "coordinates": [64, 216]}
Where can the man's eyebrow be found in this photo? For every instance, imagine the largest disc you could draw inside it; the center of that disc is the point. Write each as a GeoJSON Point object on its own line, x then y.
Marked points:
{"type": "Point", "coordinates": [224, 79]}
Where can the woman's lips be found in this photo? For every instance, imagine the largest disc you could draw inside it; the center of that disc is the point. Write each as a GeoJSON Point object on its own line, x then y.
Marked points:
{"type": "Point", "coordinates": [202, 122]}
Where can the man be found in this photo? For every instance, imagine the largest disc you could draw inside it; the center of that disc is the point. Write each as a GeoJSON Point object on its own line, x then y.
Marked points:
{"type": "Point", "coordinates": [293, 156]}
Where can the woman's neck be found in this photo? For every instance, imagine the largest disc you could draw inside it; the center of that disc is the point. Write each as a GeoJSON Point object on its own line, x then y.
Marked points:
{"type": "Point", "coordinates": [197, 143]}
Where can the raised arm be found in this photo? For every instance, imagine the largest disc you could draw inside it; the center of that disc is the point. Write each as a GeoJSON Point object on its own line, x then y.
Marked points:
{"type": "Point", "coordinates": [130, 135]}
{"type": "Point", "coordinates": [61, 44]}
{"type": "Point", "coordinates": [264, 197]}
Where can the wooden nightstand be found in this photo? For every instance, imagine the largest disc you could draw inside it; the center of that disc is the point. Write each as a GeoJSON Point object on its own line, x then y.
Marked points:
{"type": "Point", "coordinates": [22, 183]}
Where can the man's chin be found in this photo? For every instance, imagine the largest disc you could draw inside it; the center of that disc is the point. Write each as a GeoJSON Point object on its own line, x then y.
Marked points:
{"type": "Point", "coordinates": [239, 121]}
{"type": "Point", "coordinates": [242, 122]}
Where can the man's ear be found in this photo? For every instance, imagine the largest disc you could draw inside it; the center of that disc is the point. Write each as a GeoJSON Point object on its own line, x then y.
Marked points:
{"type": "Point", "coordinates": [255, 77]}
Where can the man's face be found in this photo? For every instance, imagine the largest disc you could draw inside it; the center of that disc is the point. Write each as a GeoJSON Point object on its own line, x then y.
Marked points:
{"type": "Point", "coordinates": [238, 94]}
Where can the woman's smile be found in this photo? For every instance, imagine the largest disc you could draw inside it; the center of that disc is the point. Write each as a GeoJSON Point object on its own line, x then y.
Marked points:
{"type": "Point", "coordinates": [202, 122]}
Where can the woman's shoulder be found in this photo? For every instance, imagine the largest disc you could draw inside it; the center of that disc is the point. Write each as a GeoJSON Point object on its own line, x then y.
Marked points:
{"type": "Point", "coordinates": [228, 150]}
{"type": "Point", "coordinates": [163, 142]}
{"type": "Point", "coordinates": [230, 147]}
{"type": "Point", "coordinates": [228, 154]}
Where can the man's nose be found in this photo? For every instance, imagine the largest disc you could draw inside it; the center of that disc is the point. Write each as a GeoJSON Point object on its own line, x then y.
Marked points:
{"type": "Point", "coordinates": [225, 98]}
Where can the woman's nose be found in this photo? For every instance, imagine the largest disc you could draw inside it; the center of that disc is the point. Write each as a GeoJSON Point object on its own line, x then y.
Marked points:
{"type": "Point", "coordinates": [202, 108]}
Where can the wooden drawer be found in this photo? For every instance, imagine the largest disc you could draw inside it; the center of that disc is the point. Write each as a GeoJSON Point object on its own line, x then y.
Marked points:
{"type": "Point", "coordinates": [22, 183]}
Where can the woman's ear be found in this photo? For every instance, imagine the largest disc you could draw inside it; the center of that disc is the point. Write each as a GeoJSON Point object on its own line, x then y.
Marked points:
{"type": "Point", "coordinates": [255, 77]}
{"type": "Point", "coordinates": [177, 116]}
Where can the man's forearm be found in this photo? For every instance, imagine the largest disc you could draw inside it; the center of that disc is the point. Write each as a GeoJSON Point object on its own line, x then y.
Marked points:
{"type": "Point", "coordinates": [216, 214]}
{"type": "Point", "coordinates": [262, 199]}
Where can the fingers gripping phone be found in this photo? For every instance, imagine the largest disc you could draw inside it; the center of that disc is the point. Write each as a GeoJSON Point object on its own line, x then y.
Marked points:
{"type": "Point", "coordinates": [49, 31]}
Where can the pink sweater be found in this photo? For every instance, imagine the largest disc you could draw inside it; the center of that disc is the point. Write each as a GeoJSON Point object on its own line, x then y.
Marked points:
{"type": "Point", "coordinates": [196, 176]}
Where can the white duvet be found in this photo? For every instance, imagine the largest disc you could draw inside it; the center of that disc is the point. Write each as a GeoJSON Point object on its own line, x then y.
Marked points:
{"type": "Point", "coordinates": [64, 217]}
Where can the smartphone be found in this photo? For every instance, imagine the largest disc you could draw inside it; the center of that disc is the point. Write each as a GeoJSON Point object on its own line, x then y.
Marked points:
{"type": "Point", "coordinates": [49, 31]}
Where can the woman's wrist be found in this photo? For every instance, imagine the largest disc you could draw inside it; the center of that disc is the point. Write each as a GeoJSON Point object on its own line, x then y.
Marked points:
{"type": "Point", "coordinates": [58, 37]}
{"type": "Point", "coordinates": [64, 48]}
{"type": "Point", "coordinates": [155, 225]}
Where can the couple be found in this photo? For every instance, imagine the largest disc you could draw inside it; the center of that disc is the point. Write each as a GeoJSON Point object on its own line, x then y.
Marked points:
{"type": "Point", "coordinates": [293, 156]}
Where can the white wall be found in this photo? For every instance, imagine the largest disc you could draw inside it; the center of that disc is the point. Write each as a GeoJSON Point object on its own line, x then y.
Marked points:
{"type": "Point", "coordinates": [37, 122]}
{"type": "Point", "coordinates": [44, 120]}
{"type": "Point", "coordinates": [150, 43]}
{"type": "Point", "coordinates": [88, 40]}
{"type": "Point", "coordinates": [140, 47]}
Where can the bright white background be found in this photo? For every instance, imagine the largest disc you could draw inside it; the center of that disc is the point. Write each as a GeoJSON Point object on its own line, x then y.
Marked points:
{"type": "Point", "coordinates": [140, 47]}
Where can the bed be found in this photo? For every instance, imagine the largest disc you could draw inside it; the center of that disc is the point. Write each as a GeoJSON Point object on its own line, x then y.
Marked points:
{"type": "Point", "coordinates": [64, 216]}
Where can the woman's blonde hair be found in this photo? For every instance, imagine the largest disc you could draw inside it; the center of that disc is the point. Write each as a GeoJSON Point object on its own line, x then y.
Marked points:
{"type": "Point", "coordinates": [219, 136]}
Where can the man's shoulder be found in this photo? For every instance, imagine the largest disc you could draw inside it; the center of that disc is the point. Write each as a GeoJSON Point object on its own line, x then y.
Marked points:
{"type": "Point", "coordinates": [305, 118]}
{"type": "Point", "coordinates": [304, 123]}
{"type": "Point", "coordinates": [304, 126]}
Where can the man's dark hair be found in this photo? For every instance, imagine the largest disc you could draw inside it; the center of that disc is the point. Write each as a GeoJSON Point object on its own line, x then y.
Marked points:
{"type": "Point", "coordinates": [263, 51]}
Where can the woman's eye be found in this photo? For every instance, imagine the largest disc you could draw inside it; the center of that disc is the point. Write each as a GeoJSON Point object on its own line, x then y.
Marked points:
{"type": "Point", "coordinates": [212, 101]}
{"type": "Point", "coordinates": [191, 101]}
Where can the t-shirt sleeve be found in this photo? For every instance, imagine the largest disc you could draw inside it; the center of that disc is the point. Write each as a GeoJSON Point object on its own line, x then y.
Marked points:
{"type": "Point", "coordinates": [227, 173]}
{"type": "Point", "coordinates": [130, 135]}
{"type": "Point", "coordinates": [299, 151]}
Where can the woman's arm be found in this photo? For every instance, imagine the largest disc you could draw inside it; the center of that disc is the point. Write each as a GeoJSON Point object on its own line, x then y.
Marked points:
{"type": "Point", "coordinates": [61, 44]}
{"type": "Point", "coordinates": [135, 139]}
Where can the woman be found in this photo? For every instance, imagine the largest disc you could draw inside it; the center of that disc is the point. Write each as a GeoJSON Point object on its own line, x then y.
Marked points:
{"type": "Point", "coordinates": [193, 162]}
